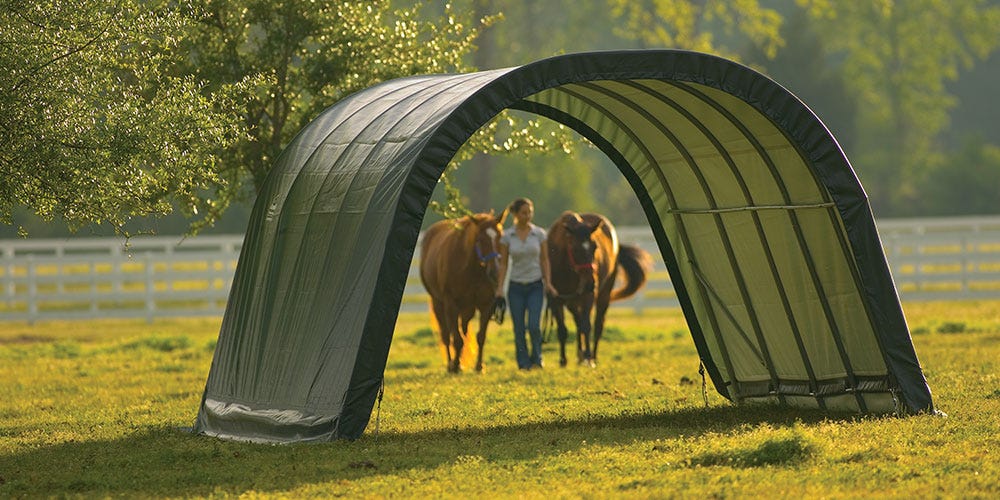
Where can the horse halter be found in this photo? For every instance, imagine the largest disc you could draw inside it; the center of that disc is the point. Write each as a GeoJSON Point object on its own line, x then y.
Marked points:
{"type": "Point", "coordinates": [586, 266]}
{"type": "Point", "coordinates": [483, 259]}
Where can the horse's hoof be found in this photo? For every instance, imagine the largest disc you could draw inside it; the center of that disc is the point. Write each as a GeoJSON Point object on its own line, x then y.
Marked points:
{"type": "Point", "coordinates": [562, 363]}
{"type": "Point", "coordinates": [480, 369]}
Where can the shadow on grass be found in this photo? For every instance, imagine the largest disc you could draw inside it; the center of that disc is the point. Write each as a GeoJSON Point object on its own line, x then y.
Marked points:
{"type": "Point", "coordinates": [172, 462]}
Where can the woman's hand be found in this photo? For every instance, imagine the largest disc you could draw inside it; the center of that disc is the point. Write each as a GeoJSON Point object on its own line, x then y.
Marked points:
{"type": "Point", "coordinates": [551, 290]}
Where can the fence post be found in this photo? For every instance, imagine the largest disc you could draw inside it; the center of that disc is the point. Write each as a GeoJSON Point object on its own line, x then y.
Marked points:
{"type": "Point", "coordinates": [10, 289]}
{"type": "Point", "coordinates": [965, 245]}
{"type": "Point", "coordinates": [93, 289]}
{"type": "Point", "coordinates": [150, 300]}
{"type": "Point", "coordinates": [116, 272]}
{"type": "Point", "coordinates": [32, 291]}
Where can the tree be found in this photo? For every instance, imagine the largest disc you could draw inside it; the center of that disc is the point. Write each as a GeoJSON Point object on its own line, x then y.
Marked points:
{"type": "Point", "coordinates": [95, 129]}
{"type": "Point", "coordinates": [694, 24]}
{"type": "Point", "coordinates": [967, 183]}
{"type": "Point", "coordinates": [155, 104]}
{"type": "Point", "coordinates": [304, 56]}
{"type": "Point", "coordinates": [897, 57]}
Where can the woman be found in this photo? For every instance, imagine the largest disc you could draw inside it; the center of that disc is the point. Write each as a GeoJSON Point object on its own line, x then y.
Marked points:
{"type": "Point", "coordinates": [529, 280]}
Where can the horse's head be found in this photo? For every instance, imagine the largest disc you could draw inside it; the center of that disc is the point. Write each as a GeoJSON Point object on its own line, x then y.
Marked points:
{"type": "Point", "coordinates": [580, 245]}
{"type": "Point", "coordinates": [488, 229]}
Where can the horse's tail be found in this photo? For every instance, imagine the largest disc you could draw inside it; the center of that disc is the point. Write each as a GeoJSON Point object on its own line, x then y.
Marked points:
{"type": "Point", "coordinates": [637, 264]}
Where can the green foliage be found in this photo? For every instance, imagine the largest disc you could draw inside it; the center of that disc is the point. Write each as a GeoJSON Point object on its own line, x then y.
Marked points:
{"type": "Point", "coordinates": [692, 25]}
{"type": "Point", "coordinates": [96, 128]}
{"type": "Point", "coordinates": [115, 112]}
{"type": "Point", "coordinates": [967, 183]}
{"type": "Point", "coordinates": [112, 113]}
{"type": "Point", "coordinates": [304, 56]}
{"type": "Point", "coordinates": [897, 58]}
{"type": "Point", "coordinates": [90, 425]}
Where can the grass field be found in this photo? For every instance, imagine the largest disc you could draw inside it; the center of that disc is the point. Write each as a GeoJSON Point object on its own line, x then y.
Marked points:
{"type": "Point", "coordinates": [97, 409]}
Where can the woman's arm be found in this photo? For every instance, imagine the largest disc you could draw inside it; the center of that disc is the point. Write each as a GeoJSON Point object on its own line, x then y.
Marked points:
{"type": "Point", "coordinates": [546, 272]}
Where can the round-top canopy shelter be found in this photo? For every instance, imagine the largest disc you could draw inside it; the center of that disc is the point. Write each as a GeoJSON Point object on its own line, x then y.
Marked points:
{"type": "Point", "coordinates": [764, 227]}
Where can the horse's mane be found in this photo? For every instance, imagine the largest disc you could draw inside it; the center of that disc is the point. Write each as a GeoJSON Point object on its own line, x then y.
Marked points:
{"type": "Point", "coordinates": [569, 215]}
{"type": "Point", "coordinates": [560, 237]}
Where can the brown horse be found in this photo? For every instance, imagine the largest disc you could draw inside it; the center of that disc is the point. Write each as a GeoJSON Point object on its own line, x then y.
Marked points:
{"type": "Point", "coordinates": [585, 257]}
{"type": "Point", "coordinates": [458, 267]}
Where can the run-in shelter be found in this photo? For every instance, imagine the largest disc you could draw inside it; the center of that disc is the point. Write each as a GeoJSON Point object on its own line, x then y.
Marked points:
{"type": "Point", "coordinates": [765, 229]}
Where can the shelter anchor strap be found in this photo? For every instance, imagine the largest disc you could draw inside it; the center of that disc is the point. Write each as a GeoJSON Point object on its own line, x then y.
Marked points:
{"type": "Point", "coordinates": [704, 387]}
{"type": "Point", "coordinates": [378, 411]}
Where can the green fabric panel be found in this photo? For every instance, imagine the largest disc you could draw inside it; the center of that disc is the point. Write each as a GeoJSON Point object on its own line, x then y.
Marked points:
{"type": "Point", "coordinates": [766, 303]}
{"type": "Point", "coordinates": [848, 310]}
{"type": "Point", "coordinates": [718, 187]}
{"type": "Point", "coordinates": [792, 267]}
{"type": "Point", "coordinates": [801, 185]}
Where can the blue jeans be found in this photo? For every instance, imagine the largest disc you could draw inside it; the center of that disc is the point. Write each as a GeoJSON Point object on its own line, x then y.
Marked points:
{"type": "Point", "coordinates": [525, 300]}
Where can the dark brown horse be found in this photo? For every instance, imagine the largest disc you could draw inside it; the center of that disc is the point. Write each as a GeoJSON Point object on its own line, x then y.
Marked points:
{"type": "Point", "coordinates": [458, 267]}
{"type": "Point", "coordinates": [585, 259]}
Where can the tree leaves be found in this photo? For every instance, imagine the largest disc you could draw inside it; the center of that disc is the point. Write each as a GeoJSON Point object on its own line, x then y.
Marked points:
{"type": "Point", "coordinates": [95, 129]}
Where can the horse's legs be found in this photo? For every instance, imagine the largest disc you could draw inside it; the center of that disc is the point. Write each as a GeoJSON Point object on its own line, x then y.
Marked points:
{"type": "Point", "coordinates": [581, 316]}
{"type": "Point", "coordinates": [557, 312]}
{"type": "Point", "coordinates": [444, 328]}
{"type": "Point", "coordinates": [484, 321]}
{"type": "Point", "coordinates": [455, 336]}
{"type": "Point", "coordinates": [463, 331]}
{"type": "Point", "coordinates": [603, 301]}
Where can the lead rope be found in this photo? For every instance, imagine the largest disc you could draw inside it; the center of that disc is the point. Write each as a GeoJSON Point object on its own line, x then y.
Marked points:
{"type": "Point", "coordinates": [704, 387]}
{"type": "Point", "coordinates": [378, 411]}
{"type": "Point", "coordinates": [497, 310]}
{"type": "Point", "coordinates": [546, 321]}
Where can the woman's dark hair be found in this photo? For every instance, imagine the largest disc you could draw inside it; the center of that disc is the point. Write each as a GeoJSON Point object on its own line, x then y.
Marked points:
{"type": "Point", "coordinates": [518, 203]}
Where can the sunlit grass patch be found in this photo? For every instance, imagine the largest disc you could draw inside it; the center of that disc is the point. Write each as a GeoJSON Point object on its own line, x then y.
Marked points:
{"type": "Point", "coordinates": [88, 407]}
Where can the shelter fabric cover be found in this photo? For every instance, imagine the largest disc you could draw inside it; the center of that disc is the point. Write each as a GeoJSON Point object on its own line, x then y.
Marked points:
{"type": "Point", "coordinates": [764, 227]}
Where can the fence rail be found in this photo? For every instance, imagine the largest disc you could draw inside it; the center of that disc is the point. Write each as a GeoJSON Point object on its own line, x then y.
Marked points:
{"type": "Point", "coordinates": [951, 258]}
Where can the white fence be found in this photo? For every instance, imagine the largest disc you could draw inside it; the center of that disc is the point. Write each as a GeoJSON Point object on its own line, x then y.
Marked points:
{"type": "Point", "coordinates": [931, 259]}
{"type": "Point", "coordinates": [101, 278]}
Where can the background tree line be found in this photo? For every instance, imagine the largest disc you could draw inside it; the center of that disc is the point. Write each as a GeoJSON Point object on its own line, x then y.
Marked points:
{"type": "Point", "coordinates": [113, 118]}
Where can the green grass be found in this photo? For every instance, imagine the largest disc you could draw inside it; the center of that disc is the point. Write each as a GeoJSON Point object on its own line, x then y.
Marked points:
{"type": "Point", "coordinates": [97, 409]}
